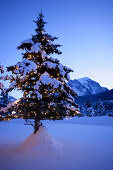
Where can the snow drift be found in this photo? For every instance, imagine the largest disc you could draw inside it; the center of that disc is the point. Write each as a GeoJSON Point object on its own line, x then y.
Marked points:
{"type": "Point", "coordinates": [40, 142]}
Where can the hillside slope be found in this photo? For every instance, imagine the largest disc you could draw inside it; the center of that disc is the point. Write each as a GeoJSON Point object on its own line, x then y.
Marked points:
{"type": "Point", "coordinates": [86, 86]}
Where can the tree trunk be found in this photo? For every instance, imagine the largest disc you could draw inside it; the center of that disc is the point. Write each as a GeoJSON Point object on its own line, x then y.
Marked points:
{"type": "Point", "coordinates": [37, 125]}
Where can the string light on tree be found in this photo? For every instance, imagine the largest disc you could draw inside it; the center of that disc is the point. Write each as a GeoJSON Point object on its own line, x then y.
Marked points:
{"type": "Point", "coordinates": [42, 79]}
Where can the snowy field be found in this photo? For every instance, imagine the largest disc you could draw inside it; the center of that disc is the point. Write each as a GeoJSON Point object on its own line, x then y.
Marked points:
{"type": "Point", "coordinates": [87, 144]}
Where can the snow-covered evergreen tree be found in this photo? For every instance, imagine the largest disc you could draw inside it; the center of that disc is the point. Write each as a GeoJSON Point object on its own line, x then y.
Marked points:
{"type": "Point", "coordinates": [101, 109]}
{"type": "Point", "coordinates": [90, 111]}
{"type": "Point", "coordinates": [4, 98]}
{"type": "Point", "coordinates": [42, 79]}
{"type": "Point", "coordinates": [88, 103]}
{"type": "Point", "coordinates": [83, 110]}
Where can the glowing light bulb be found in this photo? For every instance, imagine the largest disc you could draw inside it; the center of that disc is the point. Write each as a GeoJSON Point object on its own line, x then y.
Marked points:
{"type": "Point", "coordinates": [13, 112]}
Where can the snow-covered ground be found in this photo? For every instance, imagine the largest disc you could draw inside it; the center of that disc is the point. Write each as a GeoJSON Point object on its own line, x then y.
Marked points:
{"type": "Point", "coordinates": [87, 144]}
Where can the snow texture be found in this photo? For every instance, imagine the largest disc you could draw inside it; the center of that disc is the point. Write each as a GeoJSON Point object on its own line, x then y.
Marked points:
{"type": "Point", "coordinates": [40, 142]}
{"type": "Point", "coordinates": [86, 86]}
{"type": "Point", "coordinates": [68, 77]}
{"type": "Point", "coordinates": [47, 80]}
{"type": "Point", "coordinates": [50, 64]}
{"type": "Point", "coordinates": [28, 41]}
{"type": "Point", "coordinates": [39, 96]}
{"type": "Point", "coordinates": [87, 144]}
{"type": "Point", "coordinates": [25, 67]}
{"type": "Point", "coordinates": [4, 77]}
{"type": "Point", "coordinates": [91, 85]}
{"type": "Point", "coordinates": [61, 69]}
{"type": "Point", "coordinates": [35, 48]}
{"type": "Point", "coordinates": [12, 85]}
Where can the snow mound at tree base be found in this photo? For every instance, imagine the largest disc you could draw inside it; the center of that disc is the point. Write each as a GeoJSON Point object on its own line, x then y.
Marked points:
{"type": "Point", "coordinates": [40, 142]}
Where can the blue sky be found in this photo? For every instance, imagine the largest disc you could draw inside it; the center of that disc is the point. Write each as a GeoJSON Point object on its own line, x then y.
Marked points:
{"type": "Point", "coordinates": [84, 28]}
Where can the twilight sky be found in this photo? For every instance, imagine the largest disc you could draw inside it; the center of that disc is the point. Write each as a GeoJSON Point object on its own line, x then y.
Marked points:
{"type": "Point", "coordinates": [84, 28]}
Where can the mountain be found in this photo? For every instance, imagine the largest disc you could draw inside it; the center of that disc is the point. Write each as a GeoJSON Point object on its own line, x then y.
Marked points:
{"type": "Point", "coordinates": [104, 96]}
{"type": "Point", "coordinates": [12, 99]}
{"type": "Point", "coordinates": [86, 86]}
{"type": "Point", "coordinates": [4, 100]}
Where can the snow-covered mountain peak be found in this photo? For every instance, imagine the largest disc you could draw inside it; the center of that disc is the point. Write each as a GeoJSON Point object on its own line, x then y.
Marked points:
{"type": "Point", "coordinates": [86, 86]}
{"type": "Point", "coordinates": [84, 79]}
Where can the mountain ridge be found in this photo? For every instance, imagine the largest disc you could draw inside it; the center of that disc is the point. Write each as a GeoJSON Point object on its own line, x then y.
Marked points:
{"type": "Point", "coordinates": [86, 86]}
{"type": "Point", "coordinates": [104, 96]}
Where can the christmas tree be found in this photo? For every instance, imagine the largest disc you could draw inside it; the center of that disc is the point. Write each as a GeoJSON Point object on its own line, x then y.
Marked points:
{"type": "Point", "coordinates": [42, 79]}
